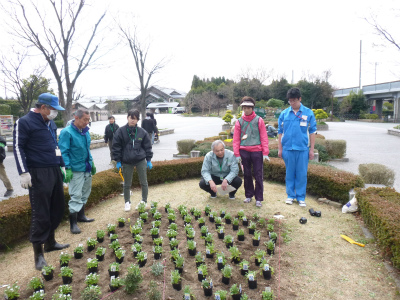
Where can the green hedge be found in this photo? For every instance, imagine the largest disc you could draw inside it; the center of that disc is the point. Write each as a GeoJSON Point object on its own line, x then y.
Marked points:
{"type": "Point", "coordinates": [380, 209]}
{"type": "Point", "coordinates": [15, 213]}
{"type": "Point", "coordinates": [322, 181]}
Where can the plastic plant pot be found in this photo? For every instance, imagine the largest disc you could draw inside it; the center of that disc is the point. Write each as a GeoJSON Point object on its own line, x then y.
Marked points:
{"type": "Point", "coordinates": [200, 277]}
{"type": "Point", "coordinates": [228, 221]}
{"type": "Point", "coordinates": [48, 277]}
{"type": "Point", "coordinates": [270, 252]}
{"type": "Point", "coordinates": [90, 248]}
{"type": "Point", "coordinates": [93, 269]}
{"type": "Point", "coordinates": [100, 257]}
{"type": "Point", "coordinates": [121, 224]}
{"type": "Point", "coordinates": [236, 296]}
{"type": "Point", "coordinates": [221, 235]}
{"type": "Point", "coordinates": [192, 252]}
{"type": "Point", "coordinates": [157, 255]}
{"type": "Point", "coordinates": [113, 273]}
{"type": "Point", "coordinates": [228, 245]}
{"type": "Point", "coordinates": [256, 242]}
{"type": "Point", "coordinates": [211, 219]}
{"type": "Point", "coordinates": [207, 292]}
{"type": "Point", "coordinates": [119, 260]}
{"type": "Point", "coordinates": [225, 280]}
{"type": "Point", "coordinates": [100, 240]}
{"type": "Point", "coordinates": [245, 222]}
{"type": "Point", "coordinates": [180, 270]}
{"type": "Point", "coordinates": [177, 286]}
{"type": "Point", "coordinates": [142, 263]}
{"type": "Point", "coordinates": [252, 284]}
{"type": "Point", "coordinates": [236, 260]}
{"type": "Point", "coordinates": [113, 288]}
{"type": "Point", "coordinates": [66, 280]}
{"type": "Point", "coordinates": [241, 238]}
{"type": "Point", "coordinates": [235, 227]}
{"type": "Point", "coordinates": [220, 266]}
{"type": "Point", "coordinates": [251, 231]}
{"type": "Point", "coordinates": [210, 255]}
{"type": "Point", "coordinates": [78, 255]}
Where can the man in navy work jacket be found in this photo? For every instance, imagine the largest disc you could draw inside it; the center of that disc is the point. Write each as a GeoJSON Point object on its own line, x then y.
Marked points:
{"type": "Point", "coordinates": [296, 138]}
{"type": "Point", "coordinates": [41, 169]}
{"type": "Point", "coordinates": [75, 148]}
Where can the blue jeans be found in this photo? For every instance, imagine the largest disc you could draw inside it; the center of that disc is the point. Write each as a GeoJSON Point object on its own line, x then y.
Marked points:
{"type": "Point", "coordinates": [79, 190]}
{"type": "Point", "coordinates": [296, 163]}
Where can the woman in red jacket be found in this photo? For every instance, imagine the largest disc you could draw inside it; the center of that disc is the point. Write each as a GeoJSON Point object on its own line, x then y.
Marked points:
{"type": "Point", "coordinates": [250, 144]}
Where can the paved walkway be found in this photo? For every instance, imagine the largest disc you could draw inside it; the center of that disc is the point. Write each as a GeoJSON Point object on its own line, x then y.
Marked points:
{"type": "Point", "coordinates": [367, 143]}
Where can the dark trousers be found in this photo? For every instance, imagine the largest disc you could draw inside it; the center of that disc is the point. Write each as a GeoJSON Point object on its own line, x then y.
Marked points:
{"type": "Point", "coordinates": [110, 147]}
{"type": "Point", "coordinates": [255, 160]}
{"type": "Point", "coordinates": [47, 201]}
{"type": "Point", "coordinates": [236, 183]}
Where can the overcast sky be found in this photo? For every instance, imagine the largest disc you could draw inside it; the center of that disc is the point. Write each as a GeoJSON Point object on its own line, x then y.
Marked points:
{"type": "Point", "coordinates": [224, 38]}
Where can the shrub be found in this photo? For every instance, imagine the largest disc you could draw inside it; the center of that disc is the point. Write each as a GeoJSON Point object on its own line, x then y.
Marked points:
{"type": "Point", "coordinates": [334, 148]}
{"type": "Point", "coordinates": [275, 103]}
{"type": "Point", "coordinates": [376, 174]}
{"type": "Point", "coordinates": [371, 116]}
{"type": "Point", "coordinates": [273, 153]}
{"type": "Point", "coordinates": [323, 155]}
{"type": "Point", "coordinates": [323, 181]}
{"type": "Point", "coordinates": [5, 109]}
{"type": "Point", "coordinates": [320, 114]}
{"type": "Point", "coordinates": [228, 117]}
{"type": "Point", "coordinates": [133, 279]}
{"type": "Point", "coordinates": [319, 136]}
{"type": "Point", "coordinates": [153, 292]}
{"type": "Point", "coordinates": [185, 146]}
{"type": "Point", "coordinates": [380, 209]}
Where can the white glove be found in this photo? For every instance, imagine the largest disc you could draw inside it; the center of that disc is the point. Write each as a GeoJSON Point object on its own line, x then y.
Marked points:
{"type": "Point", "coordinates": [265, 157]}
{"type": "Point", "coordinates": [25, 179]}
{"type": "Point", "coordinates": [238, 159]}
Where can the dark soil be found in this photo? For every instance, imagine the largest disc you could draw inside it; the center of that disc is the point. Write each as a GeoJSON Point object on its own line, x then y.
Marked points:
{"type": "Point", "coordinates": [164, 282]}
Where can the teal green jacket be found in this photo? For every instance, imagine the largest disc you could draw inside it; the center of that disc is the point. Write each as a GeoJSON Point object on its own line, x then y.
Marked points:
{"type": "Point", "coordinates": [75, 148]}
{"type": "Point", "coordinates": [228, 170]}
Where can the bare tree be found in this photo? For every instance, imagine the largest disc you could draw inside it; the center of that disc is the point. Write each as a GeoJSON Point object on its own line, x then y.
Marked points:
{"type": "Point", "coordinates": [383, 32]}
{"type": "Point", "coordinates": [27, 89]}
{"type": "Point", "coordinates": [56, 45]}
{"type": "Point", "coordinates": [261, 74]}
{"type": "Point", "coordinates": [144, 69]}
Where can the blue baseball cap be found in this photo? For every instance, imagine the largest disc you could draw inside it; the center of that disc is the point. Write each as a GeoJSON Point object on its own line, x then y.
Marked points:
{"type": "Point", "coordinates": [49, 99]}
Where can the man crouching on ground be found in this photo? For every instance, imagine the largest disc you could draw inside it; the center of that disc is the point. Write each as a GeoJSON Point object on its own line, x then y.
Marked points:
{"type": "Point", "coordinates": [220, 167]}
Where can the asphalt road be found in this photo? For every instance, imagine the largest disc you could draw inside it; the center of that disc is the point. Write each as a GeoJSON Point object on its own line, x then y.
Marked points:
{"type": "Point", "coordinates": [366, 143]}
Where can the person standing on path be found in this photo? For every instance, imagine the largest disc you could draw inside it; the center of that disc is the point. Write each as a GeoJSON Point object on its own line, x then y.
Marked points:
{"type": "Point", "coordinates": [75, 148]}
{"type": "Point", "coordinates": [3, 174]}
{"type": "Point", "coordinates": [296, 137]}
{"type": "Point", "coordinates": [149, 125]}
{"type": "Point", "coordinates": [41, 169]}
{"type": "Point", "coordinates": [132, 148]}
{"type": "Point", "coordinates": [250, 145]}
{"type": "Point", "coordinates": [155, 129]}
{"type": "Point", "coordinates": [111, 128]}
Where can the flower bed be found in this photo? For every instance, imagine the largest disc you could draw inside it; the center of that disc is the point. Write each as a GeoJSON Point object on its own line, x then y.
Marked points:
{"type": "Point", "coordinates": [189, 277]}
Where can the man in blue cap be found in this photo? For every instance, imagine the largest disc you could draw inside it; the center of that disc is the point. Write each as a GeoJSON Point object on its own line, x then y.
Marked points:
{"type": "Point", "coordinates": [41, 169]}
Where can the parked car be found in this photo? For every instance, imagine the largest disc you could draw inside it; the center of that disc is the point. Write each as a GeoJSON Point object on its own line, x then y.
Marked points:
{"type": "Point", "coordinates": [178, 110]}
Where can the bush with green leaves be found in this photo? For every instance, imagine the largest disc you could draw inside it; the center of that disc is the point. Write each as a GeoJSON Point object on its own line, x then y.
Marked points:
{"type": "Point", "coordinates": [185, 146]}
{"type": "Point", "coordinates": [153, 292]}
{"type": "Point", "coordinates": [39, 295]}
{"type": "Point", "coordinates": [323, 154]}
{"type": "Point", "coordinates": [267, 294]}
{"type": "Point", "coordinates": [92, 292]}
{"type": "Point", "coordinates": [222, 294]}
{"type": "Point", "coordinates": [376, 174]}
{"type": "Point", "coordinates": [157, 269]}
{"type": "Point", "coordinates": [64, 289]}
{"type": "Point", "coordinates": [275, 103]}
{"type": "Point", "coordinates": [12, 292]}
{"type": "Point", "coordinates": [133, 279]}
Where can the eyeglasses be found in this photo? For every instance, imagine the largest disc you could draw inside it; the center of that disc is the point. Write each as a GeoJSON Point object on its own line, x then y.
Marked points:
{"type": "Point", "coordinates": [293, 101]}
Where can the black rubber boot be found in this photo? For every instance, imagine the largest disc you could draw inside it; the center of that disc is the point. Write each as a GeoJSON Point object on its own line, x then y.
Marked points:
{"type": "Point", "coordinates": [82, 217]}
{"type": "Point", "coordinates": [40, 262]}
{"type": "Point", "coordinates": [52, 245]}
{"type": "Point", "coordinates": [73, 223]}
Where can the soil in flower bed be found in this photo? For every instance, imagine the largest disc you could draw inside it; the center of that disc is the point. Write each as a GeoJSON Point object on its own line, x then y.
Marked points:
{"type": "Point", "coordinates": [189, 276]}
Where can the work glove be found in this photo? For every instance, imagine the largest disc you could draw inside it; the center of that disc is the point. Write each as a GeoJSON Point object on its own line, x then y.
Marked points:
{"type": "Point", "coordinates": [93, 169]}
{"type": "Point", "coordinates": [119, 166]}
{"type": "Point", "coordinates": [238, 159]}
{"type": "Point", "coordinates": [26, 181]}
{"type": "Point", "coordinates": [68, 175]}
{"type": "Point", "coordinates": [149, 165]}
{"type": "Point", "coordinates": [63, 173]}
{"type": "Point", "coordinates": [265, 157]}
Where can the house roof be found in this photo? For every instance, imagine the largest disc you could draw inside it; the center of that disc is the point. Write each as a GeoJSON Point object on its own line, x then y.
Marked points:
{"type": "Point", "coordinates": [162, 104]}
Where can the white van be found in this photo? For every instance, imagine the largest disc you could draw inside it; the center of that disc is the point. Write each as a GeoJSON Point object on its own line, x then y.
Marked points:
{"type": "Point", "coordinates": [178, 110]}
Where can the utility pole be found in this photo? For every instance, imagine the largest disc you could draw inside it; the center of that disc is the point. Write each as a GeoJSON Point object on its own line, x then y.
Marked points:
{"type": "Point", "coordinates": [375, 71]}
{"type": "Point", "coordinates": [360, 65]}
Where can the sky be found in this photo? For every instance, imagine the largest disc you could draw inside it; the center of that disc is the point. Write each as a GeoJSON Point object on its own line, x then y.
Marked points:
{"type": "Point", "coordinates": [291, 39]}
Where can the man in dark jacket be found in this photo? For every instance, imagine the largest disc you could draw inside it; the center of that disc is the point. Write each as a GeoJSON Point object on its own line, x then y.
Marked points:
{"type": "Point", "coordinates": [42, 170]}
{"type": "Point", "coordinates": [3, 174]}
{"type": "Point", "coordinates": [111, 128]}
{"type": "Point", "coordinates": [150, 126]}
{"type": "Point", "coordinates": [132, 147]}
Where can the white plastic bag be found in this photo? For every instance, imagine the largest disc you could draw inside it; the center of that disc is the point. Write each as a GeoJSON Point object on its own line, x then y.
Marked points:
{"type": "Point", "coordinates": [350, 206]}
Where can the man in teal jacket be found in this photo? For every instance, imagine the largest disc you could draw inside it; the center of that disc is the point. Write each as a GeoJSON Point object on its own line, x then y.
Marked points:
{"type": "Point", "coordinates": [220, 167]}
{"type": "Point", "coordinates": [74, 143]}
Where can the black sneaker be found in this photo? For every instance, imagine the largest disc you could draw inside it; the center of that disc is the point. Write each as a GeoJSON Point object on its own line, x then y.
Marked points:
{"type": "Point", "coordinates": [8, 193]}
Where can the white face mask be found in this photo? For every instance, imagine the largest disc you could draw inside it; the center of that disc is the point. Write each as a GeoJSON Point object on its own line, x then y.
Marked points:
{"type": "Point", "coordinates": [53, 114]}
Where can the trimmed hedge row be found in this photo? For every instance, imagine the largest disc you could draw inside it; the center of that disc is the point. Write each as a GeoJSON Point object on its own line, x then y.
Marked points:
{"type": "Point", "coordinates": [380, 209]}
{"type": "Point", "coordinates": [15, 213]}
{"type": "Point", "coordinates": [323, 181]}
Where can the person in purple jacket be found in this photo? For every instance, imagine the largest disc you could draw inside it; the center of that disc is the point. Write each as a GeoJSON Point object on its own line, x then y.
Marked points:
{"type": "Point", "coordinates": [42, 171]}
